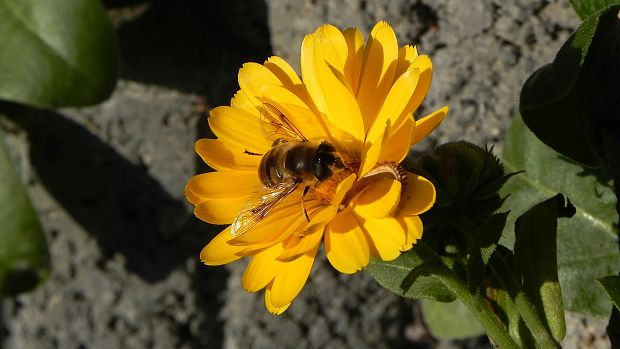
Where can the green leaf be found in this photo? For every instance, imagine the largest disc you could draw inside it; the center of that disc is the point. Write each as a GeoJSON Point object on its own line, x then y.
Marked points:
{"type": "Point", "coordinates": [585, 8]}
{"type": "Point", "coordinates": [509, 313]}
{"type": "Point", "coordinates": [56, 52]}
{"type": "Point", "coordinates": [553, 95]}
{"type": "Point", "coordinates": [587, 243]}
{"type": "Point", "coordinates": [535, 256]}
{"type": "Point", "coordinates": [450, 320]}
{"type": "Point", "coordinates": [24, 259]}
{"type": "Point", "coordinates": [483, 246]}
{"type": "Point", "coordinates": [611, 285]}
{"type": "Point", "coordinates": [397, 275]}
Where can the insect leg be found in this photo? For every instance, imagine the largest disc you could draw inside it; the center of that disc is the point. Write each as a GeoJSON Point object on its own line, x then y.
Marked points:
{"type": "Point", "coordinates": [251, 153]}
{"type": "Point", "coordinates": [303, 201]}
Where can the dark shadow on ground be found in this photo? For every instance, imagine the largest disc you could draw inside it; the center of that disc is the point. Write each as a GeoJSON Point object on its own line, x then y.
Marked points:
{"type": "Point", "coordinates": [195, 46]}
{"type": "Point", "coordinates": [115, 200]}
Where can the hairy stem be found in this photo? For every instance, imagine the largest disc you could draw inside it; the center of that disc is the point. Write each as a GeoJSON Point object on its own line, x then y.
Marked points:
{"type": "Point", "coordinates": [496, 330]}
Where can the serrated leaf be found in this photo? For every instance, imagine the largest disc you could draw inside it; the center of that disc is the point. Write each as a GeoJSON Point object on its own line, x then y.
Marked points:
{"type": "Point", "coordinates": [392, 275]}
{"type": "Point", "coordinates": [24, 259]}
{"type": "Point", "coordinates": [56, 52]}
{"type": "Point", "coordinates": [450, 320]}
{"type": "Point", "coordinates": [553, 95]}
{"type": "Point", "coordinates": [535, 256]}
{"type": "Point", "coordinates": [585, 8]}
{"type": "Point", "coordinates": [611, 285]}
{"type": "Point", "coordinates": [587, 243]}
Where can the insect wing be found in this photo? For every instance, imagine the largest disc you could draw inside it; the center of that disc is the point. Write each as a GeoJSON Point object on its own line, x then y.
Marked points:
{"type": "Point", "coordinates": [259, 205]}
{"type": "Point", "coordinates": [277, 126]}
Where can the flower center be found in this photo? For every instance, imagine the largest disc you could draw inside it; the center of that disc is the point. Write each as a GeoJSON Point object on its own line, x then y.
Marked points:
{"type": "Point", "coordinates": [326, 190]}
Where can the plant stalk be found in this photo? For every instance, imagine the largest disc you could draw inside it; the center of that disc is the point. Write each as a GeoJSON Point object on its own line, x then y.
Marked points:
{"type": "Point", "coordinates": [496, 331]}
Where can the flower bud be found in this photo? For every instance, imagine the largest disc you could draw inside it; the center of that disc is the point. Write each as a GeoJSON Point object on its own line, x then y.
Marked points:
{"type": "Point", "coordinates": [467, 179]}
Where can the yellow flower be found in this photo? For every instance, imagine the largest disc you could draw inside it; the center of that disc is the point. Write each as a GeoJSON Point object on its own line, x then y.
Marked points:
{"type": "Point", "coordinates": [358, 97]}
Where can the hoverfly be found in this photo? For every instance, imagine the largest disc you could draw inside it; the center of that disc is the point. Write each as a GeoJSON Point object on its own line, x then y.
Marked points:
{"type": "Point", "coordinates": [292, 161]}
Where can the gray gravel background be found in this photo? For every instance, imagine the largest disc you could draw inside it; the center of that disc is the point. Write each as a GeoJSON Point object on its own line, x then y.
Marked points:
{"type": "Point", "coordinates": [108, 181]}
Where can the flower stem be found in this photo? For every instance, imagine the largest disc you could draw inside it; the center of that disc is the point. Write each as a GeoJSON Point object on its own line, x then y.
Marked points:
{"type": "Point", "coordinates": [497, 332]}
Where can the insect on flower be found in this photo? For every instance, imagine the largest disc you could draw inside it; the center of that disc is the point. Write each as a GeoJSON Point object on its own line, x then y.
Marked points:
{"type": "Point", "coordinates": [292, 161]}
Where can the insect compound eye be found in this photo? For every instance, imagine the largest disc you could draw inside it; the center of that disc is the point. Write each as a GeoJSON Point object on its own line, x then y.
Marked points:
{"type": "Point", "coordinates": [322, 171]}
{"type": "Point", "coordinates": [338, 163]}
{"type": "Point", "coordinates": [325, 158]}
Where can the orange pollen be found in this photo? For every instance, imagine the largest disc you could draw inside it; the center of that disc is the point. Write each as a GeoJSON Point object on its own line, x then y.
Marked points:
{"type": "Point", "coordinates": [326, 190]}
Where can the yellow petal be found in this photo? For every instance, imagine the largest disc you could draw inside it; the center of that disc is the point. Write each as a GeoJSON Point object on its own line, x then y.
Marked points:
{"type": "Point", "coordinates": [353, 65]}
{"type": "Point", "coordinates": [221, 156]}
{"type": "Point", "coordinates": [291, 278]}
{"type": "Point", "coordinates": [297, 111]}
{"type": "Point", "coordinates": [220, 211]}
{"type": "Point", "coordinates": [297, 245]}
{"type": "Point", "coordinates": [397, 143]}
{"type": "Point", "coordinates": [239, 128]}
{"type": "Point", "coordinates": [379, 199]}
{"type": "Point", "coordinates": [241, 101]}
{"type": "Point", "coordinates": [218, 251]}
{"type": "Point", "coordinates": [427, 124]}
{"type": "Point", "coordinates": [386, 235]}
{"type": "Point", "coordinates": [346, 246]}
{"type": "Point", "coordinates": [424, 65]}
{"type": "Point", "coordinates": [308, 73]}
{"type": "Point", "coordinates": [195, 199]}
{"type": "Point", "coordinates": [341, 107]}
{"type": "Point", "coordinates": [380, 59]}
{"type": "Point", "coordinates": [285, 219]}
{"type": "Point", "coordinates": [413, 228]}
{"type": "Point", "coordinates": [406, 56]}
{"type": "Point", "coordinates": [283, 71]}
{"type": "Point", "coordinates": [332, 45]}
{"type": "Point", "coordinates": [396, 104]}
{"type": "Point", "coordinates": [288, 80]}
{"type": "Point", "coordinates": [418, 196]}
{"type": "Point", "coordinates": [371, 153]}
{"type": "Point", "coordinates": [262, 268]}
{"type": "Point", "coordinates": [252, 76]}
{"type": "Point", "coordinates": [223, 184]}
{"type": "Point", "coordinates": [326, 43]}
{"type": "Point", "coordinates": [274, 236]}
{"type": "Point", "coordinates": [342, 189]}
{"type": "Point", "coordinates": [269, 305]}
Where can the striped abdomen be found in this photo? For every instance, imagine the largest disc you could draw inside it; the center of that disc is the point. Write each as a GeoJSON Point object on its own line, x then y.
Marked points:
{"type": "Point", "coordinates": [288, 161]}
